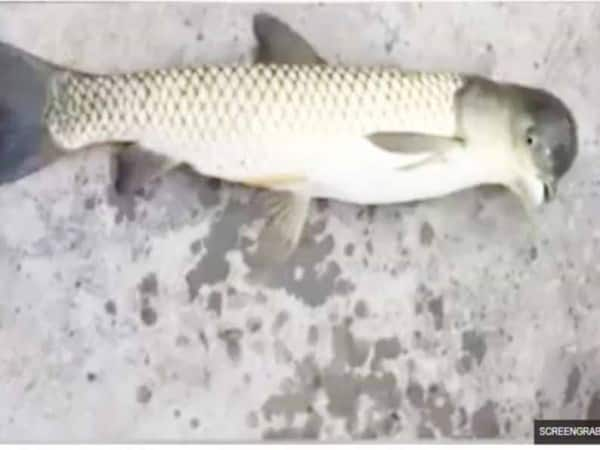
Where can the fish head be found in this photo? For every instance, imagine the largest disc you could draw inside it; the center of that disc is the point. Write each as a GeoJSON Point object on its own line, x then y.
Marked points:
{"type": "Point", "coordinates": [544, 137]}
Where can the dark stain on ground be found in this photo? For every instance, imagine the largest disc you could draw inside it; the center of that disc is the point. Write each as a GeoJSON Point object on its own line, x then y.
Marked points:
{"type": "Point", "coordinates": [280, 320]}
{"type": "Point", "coordinates": [347, 349]}
{"type": "Point", "coordinates": [194, 423]}
{"type": "Point", "coordinates": [423, 432]}
{"type": "Point", "coordinates": [426, 234]}
{"type": "Point", "coordinates": [124, 204]}
{"type": "Point", "coordinates": [440, 408]}
{"type": "Point", "coordinates": [202, 339]}
{"type": "Point", "coordinates": [464, 364]}
{"type": "Point", "coordinates": [110, 308]}
{"type": "Point", "coordinates": [484, 423]}
{"type": "Point", "coordinates": [208, 189]}
{"type": "Point", "coordinates": [474, 344]}
{"type": "Point", "coordinates": [212, 266]}
{"type": "Point", "coordinates": [148, 315]}
{"type": "Point", "coordinates": [313, 288]}
{"type": "Point", "coordinates": [436, 308]}
{"type": "Point", "coordinates": [90, 203]}
{"type": "Point", "coordinates": [385, 348]}
{"type": "Point", "coordinates": [361, 310]}
{"type": "Point", "coordinates": [196, 246]}
{"type": "Point", "coordinates": [415, 394]}
{"type": "Point", "coordinates": [308, 381]}
{"type": "Point", "coordinates": [313, 335]}
{"type": "Point", "coordinates": [573, 381]}
{"type": "Point", "coordinates": [389, 425]}
{"type": "Point", "coordinates": [533, 253]}
{"type": "Point", "coordinates": [215, 303]}
{"type": "Point", "coordinates": [349, 250]}
{"type": "Point", "coordinates": [91, 377]}
{"type": "Point", "coordinates": [310, 430]}
{"type": "Point", "coordinates": [182, 341]}
{"type": "Point", "coordinates": [254, 324]}
{"type": "Point", "coordinates": [148, 287]}
{"type": "Point", "coordinates": [342, 386]}
{"type": "Point", "coordinates": [593, 412]}
{"type": "Point", "coordinates": [231, 337]}
{"type": "Point", "coordinates": [143, 394]}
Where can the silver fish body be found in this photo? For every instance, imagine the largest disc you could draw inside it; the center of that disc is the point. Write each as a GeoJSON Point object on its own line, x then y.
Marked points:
{"type": "Point", "coordinates": [261, 123]}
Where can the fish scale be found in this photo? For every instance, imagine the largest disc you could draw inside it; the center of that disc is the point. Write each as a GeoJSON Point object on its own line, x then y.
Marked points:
{"type": "Point", "coordinates": [221, 103]}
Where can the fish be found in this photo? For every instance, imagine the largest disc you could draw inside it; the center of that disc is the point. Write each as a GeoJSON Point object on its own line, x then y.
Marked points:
{"type": "Point", "coordinates": [293, 125]}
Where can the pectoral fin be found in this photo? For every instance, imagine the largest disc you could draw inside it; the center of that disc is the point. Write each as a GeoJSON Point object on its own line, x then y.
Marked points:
{"type": "Point", "coordinates": [411, 143]}
{"type": "Point", "coordinates": [278, 43]}
{"type": "Point", "coordinates": [136, 167]}
{"type": "Point", "coordinates": [286, 216]}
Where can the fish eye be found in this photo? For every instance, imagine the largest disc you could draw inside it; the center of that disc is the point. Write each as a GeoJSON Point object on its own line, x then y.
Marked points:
{"type": "Point", "coordinates": [530, 139]}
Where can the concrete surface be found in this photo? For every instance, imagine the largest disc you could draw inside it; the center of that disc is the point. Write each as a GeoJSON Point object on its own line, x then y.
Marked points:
{"type": "Point", "coordinates": [130, 319]}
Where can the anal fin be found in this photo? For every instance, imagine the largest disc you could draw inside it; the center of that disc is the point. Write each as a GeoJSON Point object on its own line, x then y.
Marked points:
{"type": "Point", "coordinates": [286, 216]}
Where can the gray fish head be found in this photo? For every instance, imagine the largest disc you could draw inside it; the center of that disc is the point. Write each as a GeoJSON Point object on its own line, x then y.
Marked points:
{"type": "Point", "coordinates": [545, 131]}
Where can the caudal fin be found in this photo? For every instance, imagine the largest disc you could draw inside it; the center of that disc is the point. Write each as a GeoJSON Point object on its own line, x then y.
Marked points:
{"type": "Point", "coordinates": [25, 145]}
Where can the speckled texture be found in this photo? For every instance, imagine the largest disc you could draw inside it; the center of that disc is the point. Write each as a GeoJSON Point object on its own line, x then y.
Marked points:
{"type": "Point", "coordinates": [132, 319]}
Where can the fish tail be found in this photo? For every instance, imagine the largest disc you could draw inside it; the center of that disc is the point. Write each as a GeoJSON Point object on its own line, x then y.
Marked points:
{"type": "Point", "coordinates": [25, 144]}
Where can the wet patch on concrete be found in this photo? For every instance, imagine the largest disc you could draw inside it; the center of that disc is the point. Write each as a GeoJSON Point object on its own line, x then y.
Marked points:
{"type": "Point", "coordinates": [343, 385]}
{"type": "Point", "coordinates": [426, 234]}
{"type": "Point", "coordinates": [110, 308]}
{"type": "Point", "coordinates": [148, 286]}
{"type": "Point", "coordinates": [212, 266]}
{"type": "Point", "coordinates": [313, 335]}
{"type": "Point", "coordinates": [280, 320]}
{"type": "Point", "coordinates": [439, 409]}
{"type": "Point", "coordinates": [436, 308]}
{"type": "Point", "coordinates": [310, 430]}
{"type": "Point", "coordinates": [143, 394]}
{"type": "Point", "coordinates": [215, 303]}
{"type": "Point", "coordinates": [474, 344]}
{"type": "Point", "coordinates": [415, 394]}
{"type": "Point", "coordinates": [148, 315]}
{"type": "Point", "coordinates": [125, 205]}
{"type": "Point", "coordinates": [385, 349]}
{"type": "Point", "coordinates": [361, 309]}
{"type": "Point", "coordinates": [593, 409]}
{"type": "Point", "coordinates": [314, 286]}
{"type": "Point", "coordinates": [232, 337]}
{"type": "Point", "coordinates": [484, 422]}
{"type": "Point", "coordinates": [573, 381]}
{"type": "Point", "coordinates": [347, 349]}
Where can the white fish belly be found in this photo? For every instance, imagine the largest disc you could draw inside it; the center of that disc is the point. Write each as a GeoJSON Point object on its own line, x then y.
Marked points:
{"type": "Point", "coordinates": [374, 181]}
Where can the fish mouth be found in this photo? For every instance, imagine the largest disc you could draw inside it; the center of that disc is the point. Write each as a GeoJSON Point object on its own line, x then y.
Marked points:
{"type": "Point", "coordinates": [549, 191]}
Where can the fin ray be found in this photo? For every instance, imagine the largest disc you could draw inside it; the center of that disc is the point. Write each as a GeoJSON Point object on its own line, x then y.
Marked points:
{"type": "Point", "coordinates": [286, 216]}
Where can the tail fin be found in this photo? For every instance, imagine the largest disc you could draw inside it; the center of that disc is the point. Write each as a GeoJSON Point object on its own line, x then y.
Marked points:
{"type": "Point", "coordinates": [25, 145]}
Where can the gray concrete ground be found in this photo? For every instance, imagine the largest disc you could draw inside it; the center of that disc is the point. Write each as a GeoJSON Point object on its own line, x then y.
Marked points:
{"type": "Point", "coordinates": [131, 319]}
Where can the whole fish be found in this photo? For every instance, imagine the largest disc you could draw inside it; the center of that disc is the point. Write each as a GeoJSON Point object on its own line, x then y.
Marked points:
{"type": "Point", "coordinates": [292, 124]}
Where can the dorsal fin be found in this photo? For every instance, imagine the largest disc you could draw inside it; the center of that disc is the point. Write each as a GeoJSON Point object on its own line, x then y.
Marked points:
{"type": "Point", "coordinates": [278, 43]}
